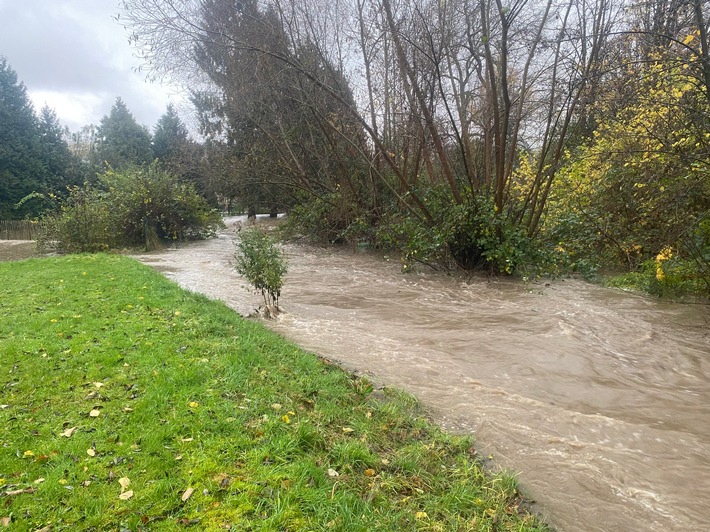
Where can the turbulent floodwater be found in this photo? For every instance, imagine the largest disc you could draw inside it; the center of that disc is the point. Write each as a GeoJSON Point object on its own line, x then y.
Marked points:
{"type": "Point", "coordinates": [598, 398]}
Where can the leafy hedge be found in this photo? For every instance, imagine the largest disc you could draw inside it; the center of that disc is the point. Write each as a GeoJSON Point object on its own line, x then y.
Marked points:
{"type": "Point", "coordinates": [135, 207]}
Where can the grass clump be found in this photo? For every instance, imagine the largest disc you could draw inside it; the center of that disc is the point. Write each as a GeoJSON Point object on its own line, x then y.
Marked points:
{"type": "Point", "coordinates": [128, 403]}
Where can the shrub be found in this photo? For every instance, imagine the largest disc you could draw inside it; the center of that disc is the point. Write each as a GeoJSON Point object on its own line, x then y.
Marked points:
{"type": "Point", "coordinates": [150, 200]}
{"type": "Point", "coordinates": [468, 236]}
{"type": "Point", "coordinates": [263, 264]}
{"type": "Point", "coordinates": [129, 208]}
{"type": "Point", "coordinates": [82, 224]}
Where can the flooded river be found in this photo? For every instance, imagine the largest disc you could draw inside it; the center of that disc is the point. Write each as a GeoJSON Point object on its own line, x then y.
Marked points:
{"type": "Point", "coordinates": [598, 398]}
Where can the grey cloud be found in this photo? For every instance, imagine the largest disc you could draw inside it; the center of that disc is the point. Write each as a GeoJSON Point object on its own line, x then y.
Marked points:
{"type": "Point", "coordinates": [75, 47]}
{"type": "Point", "coordinates": [50, 52]}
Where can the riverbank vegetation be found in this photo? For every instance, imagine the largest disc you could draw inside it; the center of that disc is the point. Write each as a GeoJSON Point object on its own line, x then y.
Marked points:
{"type": "Point", "coordinates": [535, 137]}
{"type": "Point", "coordinates": [130, 403]}
{"type": "Point", "coordinates": [540, 136]}
{"type": "Point", "coordinates": [137, 207]}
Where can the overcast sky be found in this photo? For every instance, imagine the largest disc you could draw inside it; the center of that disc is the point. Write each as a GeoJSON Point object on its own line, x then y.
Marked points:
{"type": "Point", "coordinates": [74, 56]}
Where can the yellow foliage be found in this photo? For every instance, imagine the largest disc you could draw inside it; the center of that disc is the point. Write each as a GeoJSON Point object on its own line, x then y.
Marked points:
{"type": "Point", "coordinates": [665, 254]}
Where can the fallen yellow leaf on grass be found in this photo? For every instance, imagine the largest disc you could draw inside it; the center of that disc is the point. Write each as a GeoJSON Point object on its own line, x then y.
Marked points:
{"type": "Point", "coordinates": [193, 404]}
{"type": "Point", "coordinates": [124, 482]}
{"type": "Point", "coordinates": [28, 454]}
{"type": "Point", "coordinates": [68, 432]}
{"type": "Point", "coordinates": [348, 430]}
{"type": "Point", "coordinates": [285, 419]}
{"type": "Point", "coordinates": [420, 515]}
{"type": "Point", "coordinates": [126, 495]}
{"type": "Point", "coordinates": [95, 413]}
{"type": "Point", "coordinates": [91, 452]}
{"type": "Point", "coordinates": [5, 521]}
{"type": "Point", "coordinates": [369, 472]}
{"type": "Point", "coordinates": [187, 494]}
{"type": "Point", "coordinates": [98, 384]}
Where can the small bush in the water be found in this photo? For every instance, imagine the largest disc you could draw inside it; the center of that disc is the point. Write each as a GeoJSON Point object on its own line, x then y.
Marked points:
{"type": "Point", "coordinates": [263, 264]}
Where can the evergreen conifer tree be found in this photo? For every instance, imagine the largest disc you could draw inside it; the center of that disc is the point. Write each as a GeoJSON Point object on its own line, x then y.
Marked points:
{"type": "Point", "coordinates": [169, 137]}
{"type": "Point", "coordinates": [121, 141]}
{"type": "Point", "coordinates": [22, 166]}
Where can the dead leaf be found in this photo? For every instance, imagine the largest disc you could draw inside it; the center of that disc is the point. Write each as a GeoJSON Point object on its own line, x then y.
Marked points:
{"type": "Point", "coordinates": [126, 495]}
{"type": "Point", "coordinates": [91, 452]}
{"type": "Point", "coordinates": [19, 492]}
{"type": "Point", "coordinates": [98, 384]}
{"type": "Point", "coordinates": [369, 472]}
{"type": "Point", "coordinates": [187, 494]}
{"type": "Point", "coordinates": [348, 430]}
{"type": "Point", "coordinates": [5, 521]}
{"type": "Point", "coordinates": [333, 473]}
{"type": "Point", "coordinates": [95, 413]}
{"type": "Point", "coordinates": [186, 440]}
{"type": "Point", "coordinates": [124, 482]}
{"type": "Point", "coordinates": [39, 480]}
{"type": "Point", "coordinates": [68, 433]}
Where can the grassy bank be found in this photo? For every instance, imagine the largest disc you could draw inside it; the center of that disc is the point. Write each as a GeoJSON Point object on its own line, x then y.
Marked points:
{"type": "Point", "coordinates": [128, 403]}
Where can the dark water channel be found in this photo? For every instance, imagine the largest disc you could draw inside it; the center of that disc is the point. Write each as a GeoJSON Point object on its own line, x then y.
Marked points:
{"type": "Point", "coordinates": [598, 398]}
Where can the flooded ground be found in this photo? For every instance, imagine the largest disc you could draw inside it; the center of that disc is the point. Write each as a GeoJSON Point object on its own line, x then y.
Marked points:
{"type": "Point", "coordinates": [598, 398]}
{"type": "Point", "coordinates": [17, 250]}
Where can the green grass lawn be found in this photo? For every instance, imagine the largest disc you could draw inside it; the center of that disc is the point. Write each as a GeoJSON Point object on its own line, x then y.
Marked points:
{"type": "Point", "coordinates": [127, 403]}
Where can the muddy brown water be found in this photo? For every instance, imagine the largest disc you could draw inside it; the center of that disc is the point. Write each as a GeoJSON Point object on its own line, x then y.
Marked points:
{"type": "Point", "coordinates": [11, 250]}
{"type": "Point", "coordinates": [600, 399]}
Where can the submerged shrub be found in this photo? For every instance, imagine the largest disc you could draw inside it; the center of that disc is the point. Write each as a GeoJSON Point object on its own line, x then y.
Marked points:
{"type": "Point", "coordinates": [263, 264]}
{"type": "Point", "coordinates": [469, 236]}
